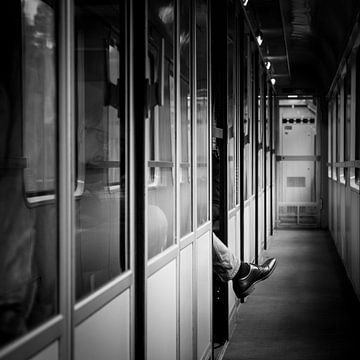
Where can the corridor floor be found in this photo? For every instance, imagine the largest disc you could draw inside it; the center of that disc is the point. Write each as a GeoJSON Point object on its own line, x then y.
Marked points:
{"type": "Point", "coordinates": [305, 311]}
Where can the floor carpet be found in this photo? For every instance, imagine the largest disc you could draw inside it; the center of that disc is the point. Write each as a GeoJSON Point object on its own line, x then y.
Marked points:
{"type": "Point", "coordinates": [305, 311]}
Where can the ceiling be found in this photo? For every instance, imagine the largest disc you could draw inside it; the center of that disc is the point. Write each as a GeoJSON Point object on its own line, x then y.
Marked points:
{"type": "Point", "coordinates": [304, 40]}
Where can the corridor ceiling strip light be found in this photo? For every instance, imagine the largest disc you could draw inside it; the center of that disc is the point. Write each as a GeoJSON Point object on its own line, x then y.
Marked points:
{"type": "Point", "coordinates": [259, 37]}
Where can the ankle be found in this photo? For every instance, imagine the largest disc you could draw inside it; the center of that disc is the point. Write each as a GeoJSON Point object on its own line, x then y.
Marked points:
{"type": "Point", "coordinates": [243, 270]}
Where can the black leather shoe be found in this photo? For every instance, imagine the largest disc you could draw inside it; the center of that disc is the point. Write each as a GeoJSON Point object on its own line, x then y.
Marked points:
{"type": "Point", "coordinates": [246, 285]}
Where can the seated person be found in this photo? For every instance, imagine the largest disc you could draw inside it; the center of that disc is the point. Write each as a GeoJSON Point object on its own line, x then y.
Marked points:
{"type": "Point", "coordinates": [225, 264]}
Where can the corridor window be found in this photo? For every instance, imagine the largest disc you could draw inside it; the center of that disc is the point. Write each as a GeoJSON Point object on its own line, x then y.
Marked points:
{"type": "Point", "coordinates": [185, 134]}
{"type": "Point", "coordinates": [39, 96]}
{"type": "Point", "coordinates": [341, 132]}
{"type": "Point", "coordinates": [334, 135]}
{"type": "Point", "coordinates": [356, 142]}
{"type": "Point", "coordinates": [161, 128]}
{"type": "Point", "coordinates": [101, 246]}
{"type": "Point", "coordinates": [260, 124]}
{"type": "Point", "coordinates": [29, 265]}
{"type": "Point", "coordinates": [247, 128]}
{"type": "Point", "coordinates": [347, 124]}
{"type": "Point", "coordinates": [231, 105]}
{"type": "Point", "coordinates": [202, 118]}
{"type": "Point", "coordinates": [330, 138]}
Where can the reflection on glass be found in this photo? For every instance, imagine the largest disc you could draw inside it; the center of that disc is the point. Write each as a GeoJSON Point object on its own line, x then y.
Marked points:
{"type": "Point", "coordinates": [341, 138]}
{"type": "Point", "coordinates": [231, 73]}
{"type": "Point", "coordinates": [260, 145]}
{"type": "Point", "coordinates": [202, 158]}
{"type": "Point", "coordinates": [267, 145]}
{"type": "Point", "coordinates": [247, 121]}
{"type": "Point", "coordinates": [334, 136]}
{"type": "Point", "coordinates": [28, 148]}
{"type": "Point", "coordinates": [347, 114]}
{"type": "Point", "coordinates": [101, 243]}
{"type": "Point", "coordinates": [356, 175]}
{"type": "Point", "coordinates": [186, 126]}
{"type": "Point", "coordinates": [330, 138]}
{"type": "Point", "coordinates": [161, 129]}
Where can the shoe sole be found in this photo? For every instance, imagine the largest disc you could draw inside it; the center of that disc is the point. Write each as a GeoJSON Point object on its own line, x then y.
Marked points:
{"type": "Point", "coordinates": [248, 291]}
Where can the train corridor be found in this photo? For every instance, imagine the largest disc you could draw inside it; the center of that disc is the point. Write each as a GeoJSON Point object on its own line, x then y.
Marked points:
{"type": "Point", "coordinates": [306, 310]}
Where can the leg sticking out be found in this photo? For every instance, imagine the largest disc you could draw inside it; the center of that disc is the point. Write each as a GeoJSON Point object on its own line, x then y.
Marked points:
{"type": "Point", "coordinates": [243, 275]}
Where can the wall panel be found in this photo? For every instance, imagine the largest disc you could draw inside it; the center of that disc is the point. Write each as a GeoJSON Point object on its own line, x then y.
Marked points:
{"type": "Point", "coordinates": [49, 353]}
{"type": "Point", "coordinates": [232, 246]}
{"type": "Point", "coordinates": [161, 314]}
{"type": "Point", "coordinates": [204, 278]}
{"type": "Point", "coordinates": [186, 303]}
{"type": "Point", "coordinates": [106, 334]}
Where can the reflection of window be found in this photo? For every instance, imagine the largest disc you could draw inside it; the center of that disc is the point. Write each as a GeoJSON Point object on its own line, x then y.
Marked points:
{"type": "Point", "coordinates": [202, 121]}
{"type": "Point", "coordinates": [114, 131]}
{"type": "Point", "coordinates": [334, 136]}
{"type": "Point", "coordinates": [161, 129]}
{"type": "Point", "coordinates": [231, 123]}
{"type": "Point", "coordinates": [185, 135]}
{"type": "Point", "coordinates": [29, 270]}
{"type": "Point", "coordinates": [341, 137]}
{"type": "Point", "coordinates": [101, 242]}
{"type": "Point", "coordinates": [39, 96]}
{"type": "Point", "coordinates": [330, 138]}
{"type": "Point", "coordinates": [248, 150]}
{"type": "Point", "coordinates": [357, 121]}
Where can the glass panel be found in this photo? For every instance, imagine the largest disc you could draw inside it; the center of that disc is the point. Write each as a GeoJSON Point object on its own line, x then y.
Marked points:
{"type": "Point", "coordinates": [341, 133]}
{"type": "Point", "coordinates": [186, 125]}
{"type": "Point", "coordinates": [161, 132]}
{"type": "Point", "coordinates": [357, 120]}
{"type": "Point", "coordinates": [28, 158]}
{"type": "Point", "coordinates": [260, 145]}
{"type": "Point", "coordinates": [101, 242]}
{"type": "Point", "coordinates": [202, 121]}
{"type": "Point", "coordinates": [347, 87]}
{"type": "Point", "coordinates": [330, 137]}
{"type": "Point", "coordinates": [231, 103]}
{"type": "Point", "coordinates": [334, 136]}
{"type": "Point", "coordinates": [267, 129]}
{"type": "Point", "coordinates": [247, 121]}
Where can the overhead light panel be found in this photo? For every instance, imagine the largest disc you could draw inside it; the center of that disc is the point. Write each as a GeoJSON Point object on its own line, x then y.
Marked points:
{"type": "Point", "coordinates": [259, 37]}
{"type": "Point", "coordinates": [245, 2]}
{"type": "Point", "coordinates": [273, 81]}
{"type": "Point", "coordinates": [268, 65]}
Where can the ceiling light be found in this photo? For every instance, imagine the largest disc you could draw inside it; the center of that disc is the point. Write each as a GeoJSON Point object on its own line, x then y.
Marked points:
{"type": "Point", "coordinates": [273, 81]}
{"type": "Point", "coordinates": [259, 37]}
{"type": "Point", "coordinates": [268, 65]}
{"type": "Point", "coordinates": [245, 2]}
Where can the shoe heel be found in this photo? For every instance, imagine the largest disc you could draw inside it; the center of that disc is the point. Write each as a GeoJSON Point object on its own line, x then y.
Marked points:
{"type": "Point", "coordinates": [246, 293]}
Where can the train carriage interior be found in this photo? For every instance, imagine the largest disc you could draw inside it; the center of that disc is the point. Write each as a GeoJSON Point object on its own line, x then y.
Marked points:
{"type": "Point", "coordinates": [155, 154]}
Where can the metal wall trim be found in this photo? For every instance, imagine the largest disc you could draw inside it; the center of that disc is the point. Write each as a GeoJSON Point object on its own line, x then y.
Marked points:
{"type": "Point", "coordinates": [66, 169]}
{"type": "Point", "coordinates": [187, 240]}
{"type": "Point", "coordinates": [35, 341]}
{"type": "Point", "coordinates": [161, 260]}
{"type": "Point", "coordinates": [93, 303]}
